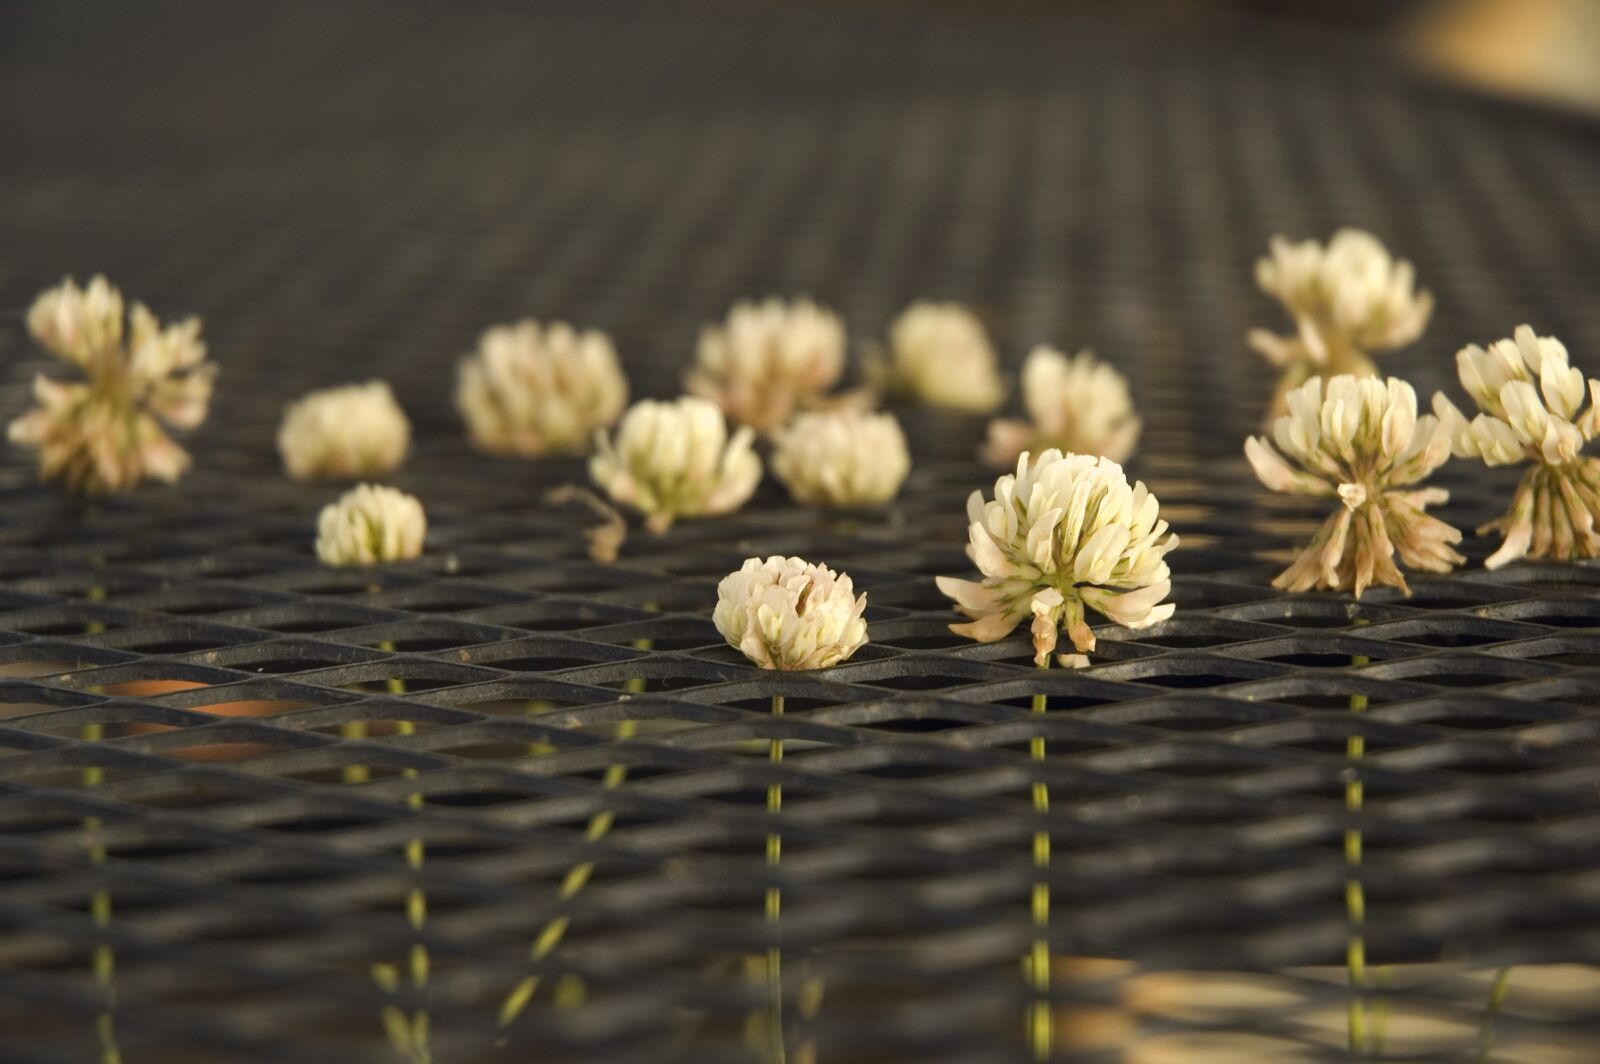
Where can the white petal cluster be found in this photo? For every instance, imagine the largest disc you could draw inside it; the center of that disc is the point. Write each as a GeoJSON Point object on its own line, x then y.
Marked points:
{"type": "Point", "coordinates": [1530, 403]}
{"type": "Point", "coordinates": [841, 458]}
{"type": "Point", "coordinates": [110, 432]}
{"type": "Point", "coordinates": [532, 389]}
{"type": "Point", "coordinates": [344, 433]}
{"type": "Point", "coordinates": [1064, 532]}
{"type": "Point", "coordinates": [1078, 405]}
{"type": "Point", "coordinates": [1349, 300]}
{"type": "Point", "coordinates": [675, 459]}
{"type": "Point", "coordinates": [940, 355]}
{"type": "Point", "coordinates": [786, 613]}
{"type": "Point", "coordinates": [1359, 439]}
{"type": "Point", "coordinates": [370, 524]}
{"type": "Point", "coordinates": [768, 360]}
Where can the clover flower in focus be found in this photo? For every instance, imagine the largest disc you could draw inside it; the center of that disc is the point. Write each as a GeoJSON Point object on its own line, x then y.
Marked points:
{"type": "Point", "coordinates": [675, 459]}
{"type": "Point", "coordinates": [768, 360]}
{"type": "Point", "coordinates": [370, 524]}
{"type": "Point", "coordinates": [841, 458]}
{"type": "Point", "coordinates": [786, 613]}
{"type": "Point", "coordinates": [109, 432]}
{"type": "Point", "coordinates": [1529, 398]}
{"type": "Point", "coordinates": [940, 355]}
{"type": "Point", "coordinates": [533, 389]}
{"type": "Point", "coordinates": [1349, 300]}
{"type": "Point", "coordinates": [1076, 405]}
{"type": "Point", "coordinates": [1359, 439]}
{"type": "Point", "coordinates": [1065, 532]}
{"type": "Point", "coordinates": [343, 433]}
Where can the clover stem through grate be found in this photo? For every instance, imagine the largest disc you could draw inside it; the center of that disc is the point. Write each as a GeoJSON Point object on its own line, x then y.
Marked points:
{"type": "Point", "coordinates": [1041, 1033]}
{"type": "Point", "coordinates": [775, 1052]}
{"type": "Point", "coordinates": [1355, 898]}
{"type": "Point", "coordinates": [104, 957]}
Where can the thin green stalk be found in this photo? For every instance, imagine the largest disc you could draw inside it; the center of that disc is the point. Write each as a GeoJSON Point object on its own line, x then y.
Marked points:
{"type": "Point", "coordinates": [775, 1048]}
{"type": "Point", "coordinates": [1355, 898]}
{"type": "Point", "coordinates": [1041, 1021]}
{"type": "Point", "coordinates": [104, 957]}
{"type": "Point", "coordinates": [577, 877]}
{"type": "Point", "coordinates": [1498, 991]}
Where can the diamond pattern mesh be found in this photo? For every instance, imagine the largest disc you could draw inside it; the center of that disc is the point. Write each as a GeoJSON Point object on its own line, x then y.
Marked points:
{"type": "Point", "coordinates": [216, 756]}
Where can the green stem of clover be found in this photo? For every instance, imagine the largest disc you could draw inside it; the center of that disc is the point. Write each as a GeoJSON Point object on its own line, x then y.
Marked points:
{"type": "Point", "coordinates": [1041, 1023]}
{"type": "Point", "coordinates": [409, 1034]}
{"type": "Point", "coordinates": [1355, 898]}
{"type": "Point", "coordinates": [1498, 990]}
{"type": "Point", "coordinates": [577, 877]}
{"type": "Point", "coordinates": [103, 960]}
{"type": "Point", "coordinates": [775, 1048]}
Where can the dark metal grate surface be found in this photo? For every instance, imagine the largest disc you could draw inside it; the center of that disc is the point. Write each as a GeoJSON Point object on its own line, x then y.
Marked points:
{"type": "Point", "coordinates": [353, 190]}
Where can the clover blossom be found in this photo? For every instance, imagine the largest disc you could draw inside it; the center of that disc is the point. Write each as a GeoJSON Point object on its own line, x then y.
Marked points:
{"type": "Point", "coordinates": [109, 432]}
{"type": "Point", "coordinates": [768, 360]}
{"type": "Point", "coordinates": [1529, 398]}
{"type": "Point", "coordinates": [1063, 533]}
{"type": "Point", "coordinates": [1076, 405]}
{"type": "Point", "coordinates": [675, 459]}
{"type": "Point", "coordinates": [788, 614]}
{"type": "Point", "coordinates": [354, 430]}
{"type": "Point", "coordinates": [940, 355]}
{"type": "Point", "coordinates": [1359, 439]}
{"type": "Point", "coordinates": [370, 524]}
{"type": "Point", "coordinates": [1348, 300]}
{"type": "Point", "coordinates": [533, 389]}
{"type": "Point", "coordinates": [841, 458]}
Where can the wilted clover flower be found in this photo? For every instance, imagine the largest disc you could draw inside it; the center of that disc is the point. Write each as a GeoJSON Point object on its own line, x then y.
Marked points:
{"type": "Point", "coordinates": [1530, 400]}
{"type": "Point", "coordinates": [1349, 300]}
{"type": "Point", "coordinates": [768, 360]}
{"type": "Point", "coordinates": [354, 430]}
{"type": "Point", "coordinates": [1077, 405]}
{"type": "Point", "coordinates": [842, 458]}
{"type": "Point", "coordinates": [786, 613]}
{"type": "Point", "coordinates": [110, 432]}
{"type": "Point", "coordinates": [1064, 532]}
{"type": "Point", "coordinates": [674, 460]}
{"type": "Point", "coordinates": [1359, 439]}
{"type": "Point", "coordinates": [532, 389]}
{"type": "Point", "coordinates": [940, 355]}
{"type": "Point", "coordinates": [370, 524]}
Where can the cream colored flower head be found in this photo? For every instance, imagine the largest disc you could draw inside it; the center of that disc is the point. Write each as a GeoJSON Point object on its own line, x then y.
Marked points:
{"type": "Point", "coordinates": [532, 389]}
{"type": "Point", "coordinates": [1359, 440]}
{"type": "Point", "coordinates": [768, 360]}
{"type": "Point", "coordinates": [675, 459]}
{"type": "Point", "coordinates": [344, 433]}
{"type": "Point", "coordinates": [1530, 402]}
{"type": "Point", "coordinates": [843, 458]}
{"type": "Point", "coordinates": [370, 524]}
{"type": "Point", "coordinates": [940, 355]}
{"type": "Point", "coordinates": [786, 613]}
{"type": "Point", "coordinates": [109, 432]}
{"type": "Point", "coordinates": [1078, 405]}
{"type": "Point", "coordinates": [1062, 533]}
{"type": "Point", "coordinates": [1349, 299]}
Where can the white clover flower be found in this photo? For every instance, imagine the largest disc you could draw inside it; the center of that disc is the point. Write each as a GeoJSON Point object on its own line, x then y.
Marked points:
{"type": "Point", "coordinates": [939, 354]}
{"type": "Point", "coordinates": [1064, 532]}
{"type": "Point", "coordinates": [532, 389]}
{"type": "Point", "coordinates": [343, 433]}
{"type": "Point", "coordinates": [1359, 439]}
{"type": "Point", "coordinates": [1349, 300]}
{"type": "Point", "coordinates": [1529, 400]}
{"type": "Point", "coordinates": [842, 458]}
{"type": "Point", "coordinates": [768, 360]}
{"type": "Point", "coordinates": [674, 460]}
{"type": "Point", "coordinates": [786, 613]}
{"type": "Point", "coordinates": [110, 432]}
{"type": "Point", "coordinates": [1077, 405]}
{"type": "Point", "coordinates": [371, 524]}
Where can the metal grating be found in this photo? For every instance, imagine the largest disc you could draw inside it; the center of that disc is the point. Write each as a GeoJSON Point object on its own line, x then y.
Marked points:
{"type": "Point", "coordinates": [356, 189]}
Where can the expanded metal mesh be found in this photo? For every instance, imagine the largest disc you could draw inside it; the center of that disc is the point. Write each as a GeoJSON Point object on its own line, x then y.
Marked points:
{"type": "Point", "coordinates": [354, 190]}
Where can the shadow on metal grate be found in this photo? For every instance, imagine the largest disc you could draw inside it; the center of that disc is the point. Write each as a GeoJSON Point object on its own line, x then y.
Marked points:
{"type": "Point", "coordinates": [352, 190]}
